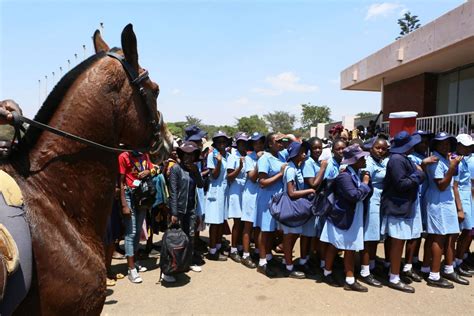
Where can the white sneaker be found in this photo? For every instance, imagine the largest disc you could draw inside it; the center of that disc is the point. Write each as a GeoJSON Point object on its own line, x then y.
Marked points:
{"type": "Point", "coordinates": [133, 276]}
{"type": "Point", "coordinates": [168, 278]}
{"type": "Point", "coordinates": [140, 268]}
{"type": "Point", "coordinates": [195, 268]}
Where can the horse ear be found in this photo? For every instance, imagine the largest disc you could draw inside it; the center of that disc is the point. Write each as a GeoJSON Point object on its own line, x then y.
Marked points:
{"type": "Point", "coordinates": [99, 44]}
{"type": "Point", "coordinates": [129, 46]}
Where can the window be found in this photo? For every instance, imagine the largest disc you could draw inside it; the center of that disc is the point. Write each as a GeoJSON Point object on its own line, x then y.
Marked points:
{"type": "Point", "coordinates": [456, 91]}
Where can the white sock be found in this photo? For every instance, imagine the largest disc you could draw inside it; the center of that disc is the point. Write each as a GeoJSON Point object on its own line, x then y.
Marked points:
{"type": "Point", "coordinates": [394, 278]}
{"type": "Point", "coordinates": [322, 264]}
{"type": "Point", "coordinates": [303, 261]}
{"type": "Point", "coordinates": [289, 267]}
{"type": "Point", "coordinates": [386, 264]}
{"type": "Point", "coordinates": [240, 247]}
{"type": "Point", "coordinates": [415, 259]}
{"type": "Point", "coordinates": [364, 271]}
{"type": "Point", "coordinates": [218, 246]}
{"type": "Point", "coordinates": [350, 280]}
{"type": "Point", "coordinates": [372, 264]}
{"type": "Point", "coordinates": [434, 276]}
{"type": "Point", "coordinates": [246, 255]}
{"type": "Point", "coordinates": [457, 262]}
{"type": "Point", "coordinates": [407, 267]}
{"type": "Point", "coordinates": [327, 272]}
{"type": "Point", "coordinates": [269, 256]}
{"type": "Point", "coordinates": [448, 269]}
{"type": "Point", "coordinates": [262, 262]}
{"type": "Point", "coordinates": [233, 249]}
{"type": "Point", "coordinates": [212, 251]}
{"type": "Point", "coordinates": [425, 269]}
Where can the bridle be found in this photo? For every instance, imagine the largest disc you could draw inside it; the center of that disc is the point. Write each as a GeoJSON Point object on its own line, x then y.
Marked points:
{"type": "Point", "coordinates": [156, 117]}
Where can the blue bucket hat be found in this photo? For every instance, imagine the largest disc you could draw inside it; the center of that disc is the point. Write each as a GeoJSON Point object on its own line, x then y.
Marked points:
{"type": "Point", "coordinates": [219, 134]}
{"type": "Point", "coordinates": [353, 153]}
{"type": "Point", "coordinates": [294, 149]}
{"type": "Point", "coordinates": [194, 133]}
{"type": "Point", "coordinates": [403, 142]}
{"type": "Point", "coordinates": [256, 136]}
{"type": "Point", "coordinates": [423, 133]}
{"type": "Point", "coordinates": [241, 136]}
{"type": "Point", "coordinates": [445, 136]}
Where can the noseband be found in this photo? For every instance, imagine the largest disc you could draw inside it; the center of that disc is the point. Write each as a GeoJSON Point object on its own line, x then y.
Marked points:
{"type": "Point", "coordinates": [137, 81]}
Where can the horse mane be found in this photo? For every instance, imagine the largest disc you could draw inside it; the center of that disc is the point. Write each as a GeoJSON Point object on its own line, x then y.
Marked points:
{"type": "Point", "coordinates": [53, 100]}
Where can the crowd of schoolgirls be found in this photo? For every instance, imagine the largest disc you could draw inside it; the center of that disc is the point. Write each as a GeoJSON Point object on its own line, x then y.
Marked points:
{"type": "Point", "coordinates": [396, 191]}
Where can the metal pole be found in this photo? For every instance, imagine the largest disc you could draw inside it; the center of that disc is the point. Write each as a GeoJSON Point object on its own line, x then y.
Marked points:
{"type": "Point", "coordinates": [102, 28]}
{"type": "Point", "coordinates": [53, 79]}
{"type": "Point", "coordinates": [68, 64]}
{"type": "Point", "coordinates": [84, 47]}
{"type": "Point", "coordinates": [39, 92]}
{"type": "Point", "coordinates": [46, 86]}
{"type": "Point", "coordinates": [60, 71]}
{"type": "Point", "coordinates": [75, 56]}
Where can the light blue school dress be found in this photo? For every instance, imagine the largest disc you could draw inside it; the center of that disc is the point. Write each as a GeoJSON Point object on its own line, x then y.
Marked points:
{"type": "Point", "coordinates": [332, 169]}
{"type": "Point", "coordinates": [353, 238]}
{"type": "Point", "coordinates": [464, 184]}
{"type": "Point", "coordinates": [442, 216]}
{"type": "Point", "coordinates": [417, 159]}
{"type": "Point", "coordinates": [270, 165]}
{"type": "Point", "coordinates": [373, 219]}
{"type": "Point", "coordinates": [217, 197]}
{"type": "Point", "coordinates": [249, 195]}
{"type": "Point", "coordinates": [313, 226]}
{"type": "Point", "coordinates": [236, 187]}
{"type": "Point", "coordinates": [292, 173]}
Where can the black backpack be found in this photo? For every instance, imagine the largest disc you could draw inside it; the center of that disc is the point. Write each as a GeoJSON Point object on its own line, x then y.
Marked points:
{"type": "Point", "coordinates": [176, 252]}
{"type": "Point", "coordinates": [324, 200]}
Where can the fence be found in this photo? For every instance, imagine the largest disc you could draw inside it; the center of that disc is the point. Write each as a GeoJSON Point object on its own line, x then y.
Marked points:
{"type": "Point", "coordinates": [450, 123]}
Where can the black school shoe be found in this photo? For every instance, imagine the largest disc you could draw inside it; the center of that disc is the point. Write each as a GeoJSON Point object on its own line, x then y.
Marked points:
{"type": "Point", "coordinates": [236, 257]}
{"type": "Point", "coordinates": [305, 268]}
{"type": "Point", "coordinates": [371, 280]}
{"type": "Point", "coordinates": [216, 257]}
{"type": "Point", "coordinates": [356, 286]}
{"type": "Point", "coordinates": [266, 270]}
{"type": "Point", "coordinates": [400, 286]}
{"type": "Point", "coordinates": [441, 283]}
{"type": "Point", "coordinates": [409, 276]}
{"type": "Point", "coordinates": [464, 271]}
{"type": "Point", "coordinates": [330, 280]}
{"type": "Point", "coordinates": [248, 262]}
{"type": "Point", "coordinates": [294, 274]}
{"type": "Point", "coordinates": [454, 277]}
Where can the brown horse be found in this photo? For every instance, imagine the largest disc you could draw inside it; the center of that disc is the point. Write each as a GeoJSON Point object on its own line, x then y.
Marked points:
{"type": "Point", "coordinates": [68, 186]}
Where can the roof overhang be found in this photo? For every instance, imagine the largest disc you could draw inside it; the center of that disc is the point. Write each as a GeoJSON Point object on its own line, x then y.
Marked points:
{"type": "Point", "coordinates": [441, 45]}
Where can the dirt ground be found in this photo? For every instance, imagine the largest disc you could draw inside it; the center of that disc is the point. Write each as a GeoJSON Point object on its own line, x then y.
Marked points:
{"type": "Point", "coordinates": [232, 289]}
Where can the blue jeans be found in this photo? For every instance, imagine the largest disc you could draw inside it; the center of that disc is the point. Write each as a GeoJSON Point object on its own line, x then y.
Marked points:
{"type": "Point", "coordinates": [133, 225]}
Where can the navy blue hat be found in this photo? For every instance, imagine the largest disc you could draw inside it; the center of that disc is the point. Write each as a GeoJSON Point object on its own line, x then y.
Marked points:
{"type": "Point", "coordinates": [219, 134]}
{"type": "Point", "coordinates": [352, 154]}
{"type": "Point", "coordinates": [368, 144]}
{"type": "Point", "coordinates": [403, 142]}
{"type": "Point", "coordinates": [423, 133]}
{"type": "Point", "coordinates": [194, 133]}
{"type": "Point", "coordinates": [294, 149]}
{"type": "Point", "coordinates": [241, 136]}
{"type": "Point", "coordinates": [444, 136]}
{"type": "Point", "coordinates": [256, 136]}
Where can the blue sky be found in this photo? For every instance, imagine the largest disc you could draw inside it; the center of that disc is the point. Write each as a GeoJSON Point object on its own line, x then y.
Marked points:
{"type": "Point", "coordinates": [217, 60]}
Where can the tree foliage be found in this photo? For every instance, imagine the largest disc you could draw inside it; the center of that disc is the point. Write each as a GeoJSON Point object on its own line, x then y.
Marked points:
{"type": "Point", "coordinates": [365, 114]}
{"type": "Point", "coordinates": [192, 120]}
{"type": "Point", "coordinates": [251, 124]}
{"type": "Point", "coordinates": [311, 115]}
{"type": "Point", "coordinates": [280, 121]}
{"type": "Point", "coordinates": [408, 23]}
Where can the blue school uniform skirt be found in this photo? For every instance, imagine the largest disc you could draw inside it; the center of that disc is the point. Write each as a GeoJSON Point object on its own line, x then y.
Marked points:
{"type": "Point", "coordinates": [373, 220]}
{"type": "Point", "coordinates": [442, 216]}
{"type": "Point", "coordinates": [217, 203]}
{"type": "Point", "coordinates": [249, 201]}
{"type": "Point", "coordinates": [264, 219]}
{"type": "Point", "coordinates": [351, 239]}
{"type": "Point", "coordinates": [466, 200]}
{"type": "Point", "coordinates": [310, 227]}
{"type": "Point", "coordinates": [236, 190]}
{"type": "Point", "coordinates": [404, 228]}
{"type": "Point", "coordinates": [201, 201]}
{"type": "Point", "coordinates": [290, 230]}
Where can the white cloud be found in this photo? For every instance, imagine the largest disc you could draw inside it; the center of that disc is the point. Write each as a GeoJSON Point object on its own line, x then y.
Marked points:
{"type": "Point", "coordinates": [285, 82]}
{"type": "Point", "coordinates": [175, 91]}
{"type": "Point", "coordinates": [382, 9]}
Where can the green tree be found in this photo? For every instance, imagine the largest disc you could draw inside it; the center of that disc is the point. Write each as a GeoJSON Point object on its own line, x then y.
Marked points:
{"type": "Point", "coordinates": [280, 121]}
{"type": "Point", "coordinates": [177, 128]}
{"type": "Point", "coordinates": [311, 115]}
{"type": "Point", "coordinates": [251, 124]}
{"type": "Point", "coordinates": [365, 114]}
{"type": "Point", "coordinates": [192, 120]}
{"type": "Point", "coordinates": [408, 23]}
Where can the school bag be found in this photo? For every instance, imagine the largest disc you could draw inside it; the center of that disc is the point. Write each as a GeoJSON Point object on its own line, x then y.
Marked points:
{"type": "Point", "coordinates": [324, 199]}
{"type": "Point", "coordinates": [176, 251]}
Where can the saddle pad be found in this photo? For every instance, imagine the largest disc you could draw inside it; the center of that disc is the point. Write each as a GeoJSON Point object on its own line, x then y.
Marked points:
{"type": "Point", "coordinates": [10, 190]}
{"type": "Point", "coordinates": [8, 250]}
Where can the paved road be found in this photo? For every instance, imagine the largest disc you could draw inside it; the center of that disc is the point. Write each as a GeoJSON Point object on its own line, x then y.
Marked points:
{"type": "Point", "coordinates": [230, 288]}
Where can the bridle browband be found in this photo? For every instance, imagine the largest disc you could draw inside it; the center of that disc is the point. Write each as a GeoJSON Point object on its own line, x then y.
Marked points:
{"type": "Point", "coordinates": [135, 79]}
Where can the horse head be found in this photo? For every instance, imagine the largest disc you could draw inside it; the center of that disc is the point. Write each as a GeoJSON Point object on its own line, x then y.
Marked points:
{"type": "Point", "coordinates": [142, 124]}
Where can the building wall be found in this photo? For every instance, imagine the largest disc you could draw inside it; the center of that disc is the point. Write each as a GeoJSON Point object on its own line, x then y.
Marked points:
{"type": "Point", "coordinates": [413, 94]}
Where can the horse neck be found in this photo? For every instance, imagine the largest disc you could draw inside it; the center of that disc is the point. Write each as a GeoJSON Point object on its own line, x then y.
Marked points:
{"type": "Point", "coordinates": [68, 178]}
